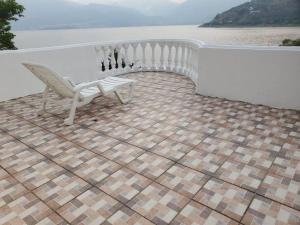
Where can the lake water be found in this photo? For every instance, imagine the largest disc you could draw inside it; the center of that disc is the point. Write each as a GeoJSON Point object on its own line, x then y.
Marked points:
{"type": "Point", "coordinates": [271, 36]}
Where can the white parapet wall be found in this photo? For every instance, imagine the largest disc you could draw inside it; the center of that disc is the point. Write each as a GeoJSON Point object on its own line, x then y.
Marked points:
{"type": "Point", "coordinates": [267, 76]}
{"type": "Point", "coordinates": [78, 62]}
{"type": "Point", "coordinates": [259, 75]}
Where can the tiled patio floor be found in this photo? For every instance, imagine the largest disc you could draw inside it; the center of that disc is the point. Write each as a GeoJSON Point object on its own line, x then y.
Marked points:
{"type": "Point", "coordinates": [169, 157]}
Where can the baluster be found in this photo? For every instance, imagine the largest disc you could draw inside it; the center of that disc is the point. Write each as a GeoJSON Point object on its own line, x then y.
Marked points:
{"type": "Point", "coordinates": [135, 66]}
{"type": "Point", "coordinates": [176, 60]}
{"type": "Point", "coordinates": [189, 60]}
{"type": "Point", "coordinates": [144, 45]}
{"type": "Point", "coordinates": [112, 59]}
{"type": "Point", "coordinates": [153, 45]}
{"type": "Point", "coordinates": [162, 56]}
{"type": "Point", "coordinates": [119, 60]}
{"type": "Point", "coordinates": [186, 62]}
{"type": "Point", "coordinates": [169, 63]}
{"type": "Point", "coordinates": [127, 67]}
{"type": "Point", "coordinates": [183, 56]}
{"type": "Point", "coordinates": [106, 58]}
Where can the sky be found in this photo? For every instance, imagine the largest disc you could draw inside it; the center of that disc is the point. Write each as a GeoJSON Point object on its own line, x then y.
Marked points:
{"type": "Point", "coordinates": [124, 1]}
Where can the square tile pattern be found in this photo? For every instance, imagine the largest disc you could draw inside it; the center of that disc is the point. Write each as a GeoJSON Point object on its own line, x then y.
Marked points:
{"type": "Point", "coordinates": [225, 198]}
{"type": "Point", "coordinates": [61, 190]}
{"type": "Point", "coordinates": [183, 180]}
{"type": "Point", "coordinates": [168, 157]}
{"type": "Point", "coordinates": [158, 204]}
{"type": "Point", "coordinates": [91, 207]}
{"type": "Point", "coordinates": [124, 184]}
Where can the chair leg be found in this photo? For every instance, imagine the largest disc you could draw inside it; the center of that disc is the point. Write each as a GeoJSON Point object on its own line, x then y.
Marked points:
{"type": "Point", "coordinates": [70, 120]}
{"type": "Point", "coordinates": [44, 102]}
{"type": "Point", "coordinates": [130, 92]}
{"type": "Point", "coordinates": [121, 99]}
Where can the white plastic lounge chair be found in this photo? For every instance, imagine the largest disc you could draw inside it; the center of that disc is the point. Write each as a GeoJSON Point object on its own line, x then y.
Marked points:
{"type": "Point", "coordinates": [82, 93]}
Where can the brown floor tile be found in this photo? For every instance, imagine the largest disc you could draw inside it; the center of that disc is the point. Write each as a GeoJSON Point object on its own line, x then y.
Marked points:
{"type": "Point", "coordinates": [19, 128]}
{"type": "Point", "coordinates": [225, 198]}
{"type": "Point", "coordinates": [123, 132]}
{"type": "Point", "coordinates": [55, 147]}
{"type": "Point", "coordinates": [145, 140]}
{"type": "Point", "coordinates": [96, 169]}
{"type": "Point", "coordinates": [241, 174]}
{"type": "Point", "coordinates": [150, 165]}
{"type": "Point", "coordinates": [91, 207]}
{"type": "Point", "coordinates": [126, 216]}
{"type": "Point", "coordinates": [10, 190]}
{"type": "Point", "coordinates": [92, 140]}
{"type": "Point", "coordinates": [188, 137]}
{"type": "Point", "coordinates": [138, 122]}
{"type": "Point", "coordinates": [27, 209]}
{"type": "Point", "coordinates": [158, 204]}
{"type": "Point", "coordinates": [264, 143]}
{"type": "Point", "coordinates": [203, 161]}
{"type": "Point", "coordinates": [39, 174]}
{"type": "Point", "coordinates": [10, 147]}
{"type": "Point", "coordinates": [291, 150]}
{"type": "Point", "coordinates": [171, 149]}
{"type": "Point", "coordinates": [281, 189]}
{"type": "Point", "coordinates": [252, 157]}
{"type": "Point", "coordinates": [52, 219]}
{"type": "Point", "coordinates": [61, 190]}
{"type": "Point", "coordinates": [73, 157]}
{"type": "Point", "coordinates": [183, 180]}
{"type": "Point", "coordinates": [124, 185]}
{"type": "Point", "coordinates": [38, 138]}
{"type": "Point", "coordinates": [163, 129]}
{"type": "Point", "coordinates": [286, 167]}
{"type": "Point", "coordinates": [234, 135]}
{"type": "Point", "coordinates": [194, 213]}
{"type": "Point", "coordinates": [217, 146]}
{"type": "Point", "coordinates": [21, 161]}
{"type": "Point", "coordinates": [123, 153]}
{"type": "Point", "coordinates": [3, 173]}
{"type": "Point", "coordinates": [265, 211]}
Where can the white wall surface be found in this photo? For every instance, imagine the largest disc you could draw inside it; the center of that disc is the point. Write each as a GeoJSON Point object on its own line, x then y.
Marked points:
{"type": "Point", "coordinates": [267, 76]}
{"type": "Point", "coordinates": [77, 62]}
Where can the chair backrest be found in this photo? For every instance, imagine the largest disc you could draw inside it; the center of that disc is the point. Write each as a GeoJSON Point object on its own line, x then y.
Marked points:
{"type": "Point", "coordinates": [55, 82]}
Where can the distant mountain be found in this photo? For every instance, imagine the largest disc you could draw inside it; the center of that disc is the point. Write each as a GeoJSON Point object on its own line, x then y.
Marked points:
{"type": "Point", "coordinates": [63, 14]}
{"type": "Point", "coordinates": [260, 13]}
{"type": "Point", "coordinates": [199, 11]}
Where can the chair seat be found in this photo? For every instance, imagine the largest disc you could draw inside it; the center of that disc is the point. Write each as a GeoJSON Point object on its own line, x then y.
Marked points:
{"type": "Point", "coordinates": [109, 84]}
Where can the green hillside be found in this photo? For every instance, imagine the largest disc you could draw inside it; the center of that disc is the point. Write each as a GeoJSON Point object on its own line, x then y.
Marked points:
{"type": "Point", "coordinates": [260, 13]}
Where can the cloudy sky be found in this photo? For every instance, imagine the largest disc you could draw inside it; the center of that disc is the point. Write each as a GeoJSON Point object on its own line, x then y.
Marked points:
{"type": "Point", "coordinates": [125, 1]}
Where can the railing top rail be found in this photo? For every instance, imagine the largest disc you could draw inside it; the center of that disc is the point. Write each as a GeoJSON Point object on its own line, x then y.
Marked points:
{"type": "Point", "coordinates": [118, 42]}
{"type": "Point", "coordinates": [195, 42]}
{"type": "Point", "coordinates": [253, 47]}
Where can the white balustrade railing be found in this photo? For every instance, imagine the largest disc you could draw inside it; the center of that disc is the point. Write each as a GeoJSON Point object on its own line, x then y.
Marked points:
{"type": "Point", "coordinates": [177, 56]}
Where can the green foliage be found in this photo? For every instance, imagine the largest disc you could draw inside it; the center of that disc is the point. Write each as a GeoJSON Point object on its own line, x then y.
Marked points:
{"type": "Point", "coordinates": [10, 10]}
{"type": "Point", "coordinates": [289, 42]}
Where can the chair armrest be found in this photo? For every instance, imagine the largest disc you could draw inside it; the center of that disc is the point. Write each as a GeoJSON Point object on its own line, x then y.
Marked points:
{"type": "Point", "coordinates": [68, 79]}
{"type": "Point", "coordinates": [86, 85]}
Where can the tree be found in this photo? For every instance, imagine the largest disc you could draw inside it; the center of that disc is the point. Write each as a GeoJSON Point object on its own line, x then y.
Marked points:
{"type": "Point", "coordinates": [10, 10]}
{"type": "Point", "coordinates": [289, 42]}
